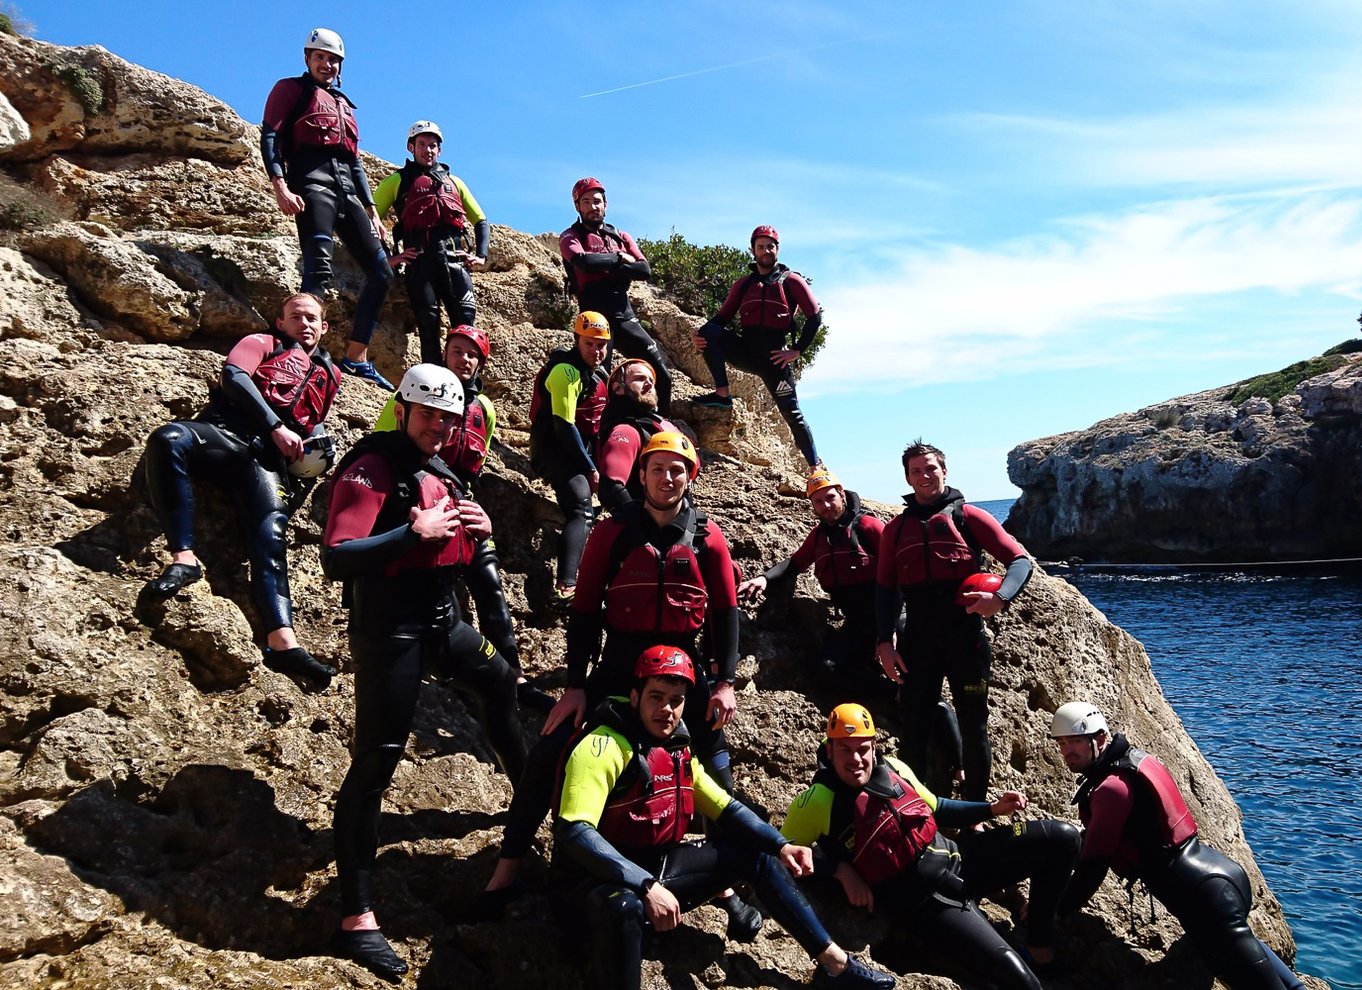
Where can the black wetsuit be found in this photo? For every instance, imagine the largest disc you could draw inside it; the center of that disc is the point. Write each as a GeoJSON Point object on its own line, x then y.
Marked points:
{"type": "Point", "coordinates": [404, 618]}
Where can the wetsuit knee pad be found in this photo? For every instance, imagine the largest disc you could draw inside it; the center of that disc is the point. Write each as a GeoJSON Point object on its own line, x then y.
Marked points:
{"type": "Point", "coordinates": [619, 908]}
{"type": "Point", "coordinates": [373, 769]}
{"type": "Point", "coordinates": [317, 253]}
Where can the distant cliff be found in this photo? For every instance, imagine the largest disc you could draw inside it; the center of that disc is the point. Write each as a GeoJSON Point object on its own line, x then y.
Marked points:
{"type": "Point", "coordinates": [1264, 469]}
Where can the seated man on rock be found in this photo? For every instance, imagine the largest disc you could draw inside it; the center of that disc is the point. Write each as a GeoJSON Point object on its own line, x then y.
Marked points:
{"type": "Point", "coordinates": [261, 438]}
{"type": "Point", "coordinates": [630, 787]}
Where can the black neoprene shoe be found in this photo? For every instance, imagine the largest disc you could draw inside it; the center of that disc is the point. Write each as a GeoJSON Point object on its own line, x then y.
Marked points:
{"type": "Point", "coordinates": [301, 666]}
{"type": "Point", "coordinates": [857, 975]}
{"type": "Point", "coordinates": [713, 400]}
{"type": "Point", "coordinates": [173, 578]}
{"type": "Point", "coordinates": [744, 920]}
{"type": "Point", "coordinates": [371, 950]}
{"type": "Point", "coordinates": [528, 695]}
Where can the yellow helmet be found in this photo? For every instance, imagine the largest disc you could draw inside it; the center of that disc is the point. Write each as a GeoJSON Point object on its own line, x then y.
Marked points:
{"type": "Point", "coordinates": [591, 325]}
{"type": "Point", "coordinates": [820, 478]}
{"type": "Point", "coordinates": [672, 443]}
{"type": "Point", "coordinates": [850, 721]}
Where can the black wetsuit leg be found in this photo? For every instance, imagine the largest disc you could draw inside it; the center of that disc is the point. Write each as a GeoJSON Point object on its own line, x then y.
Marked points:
{"type": "Point", "coordinates": [918, 698]}
{"type": "Point", "coordinates": [752, 352]}
{"type": "Point", "coordinates": [387, 682]}
{"type": "Point", "coordinates": [574, 498]}
{"type": "Point", "coordinates": [482, 577]}
{"type": "Point", "coordinates": [969, 660]}
{"type": "Point", "coordinates": [423, 289]}
{"type": "Point", "coordinates": [533, 795]}
{"type": "Point", "coordinates": [1210, 894]}
{"type": "Point", "coordinates": [179, 450]}
{"type": "Point", "coordinates": [958, 649]}
{"type": "Point", "coordinates": [717, 340]}
{"type": "Point", "coordinates": [630, 339]}
{"type": "Point", "coordinates": [486, 682]}
{"type": "Point", "coordinates": [1044, 851]}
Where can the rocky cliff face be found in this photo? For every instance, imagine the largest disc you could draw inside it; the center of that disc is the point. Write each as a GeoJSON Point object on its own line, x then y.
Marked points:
{"type": "Point", "coordinates": [165, 800]}
{"type": "Point", "coordinates": [1223, 475]}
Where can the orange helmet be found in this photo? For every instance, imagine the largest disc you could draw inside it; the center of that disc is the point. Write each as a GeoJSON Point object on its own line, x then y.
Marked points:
{"type": "Point", "coordinates": [850, 721]}
{"type": "Point", "coordinates": [591, 325]}
{"type": "Point", "coordinates": [672, 443]}
{"type": "Point", "coordinates": [820, 478]}
{"type": "Point", "coordinates": [664, 661]}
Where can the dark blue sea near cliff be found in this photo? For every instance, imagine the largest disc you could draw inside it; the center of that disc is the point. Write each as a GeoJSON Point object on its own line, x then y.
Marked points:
{"type": "Point", "coordinates": [1265, 672]}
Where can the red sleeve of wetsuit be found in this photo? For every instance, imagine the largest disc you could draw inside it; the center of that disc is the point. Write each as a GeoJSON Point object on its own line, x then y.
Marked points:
{"type": "Point", "coordinates": [1110, 805]}
{"type": "Point", "coordinates": [570, 245]}
{"type": "Point", "coordinates": [631, 246]}
{"type": "Point", "coordinates": [250, 351]}
{"type": "Point", "coordinates": [872, 528]}
{"type": "Point", "coordinates": [1000, 544]}
{"type": "Point", "coordinates": [357, 497]}
{"type": "Point", "coordinates": [619, 452]}
{"type": "Point", "coordinates": [730, 306]}
{"type": "Point", "coordinates": [717, 567]}
{"type": "Point", "coordinates": [802, 559]}
{"type": "Point", "coordinates": [798, 291]}
{"type": "Point", "coordinates": [886, 570]}
{"type": "Point", "coordinates": [280, 103]}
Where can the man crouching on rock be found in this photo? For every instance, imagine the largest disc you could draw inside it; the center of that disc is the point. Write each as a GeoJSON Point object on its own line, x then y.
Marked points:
{"type": "Point", "coordinates": [629, 789]}
{"type": "Point", "coordinates": [261, 438]}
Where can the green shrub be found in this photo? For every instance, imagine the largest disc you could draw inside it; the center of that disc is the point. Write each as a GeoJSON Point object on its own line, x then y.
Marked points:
{"type": "Point", "coordinates": [13, 22]}
{"type": "Point", "coordinates": [81, 83]}
{"type": "Point", "coordinates": [697, 279]}
{"type": "Point", "coordinates": [1347, 347]}
{"type": "Point", "coordinates": [1278, 384]}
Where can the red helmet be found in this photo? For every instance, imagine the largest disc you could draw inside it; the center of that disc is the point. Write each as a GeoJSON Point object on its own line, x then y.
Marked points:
{"type": "Point", "coordinates": [583, 186]}
{"type": "Point", "coordinates": [664, 661]}
{"type": "Point", "coordinates": [472, 333]}
{"type": "Point", "coordinates": [765, 230]}
{"type": "Point", "coordinates": [977, 582]}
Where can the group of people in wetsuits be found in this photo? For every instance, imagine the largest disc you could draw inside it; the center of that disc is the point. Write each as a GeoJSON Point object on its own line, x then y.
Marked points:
{"type": "Point", "coordinates": [653, 599]}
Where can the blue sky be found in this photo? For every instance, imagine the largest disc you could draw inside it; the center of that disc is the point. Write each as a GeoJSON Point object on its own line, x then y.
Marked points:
{"type": "Point", "coordinates": [1020, 217]}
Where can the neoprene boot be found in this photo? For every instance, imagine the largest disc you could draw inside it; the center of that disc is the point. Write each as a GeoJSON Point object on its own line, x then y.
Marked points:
{"type": "Point", "coordinates": [371, 950]}
{"type": "Point", "coordinates": [173, 578]}
{"type": "Point", "coordinates": [300, 665]}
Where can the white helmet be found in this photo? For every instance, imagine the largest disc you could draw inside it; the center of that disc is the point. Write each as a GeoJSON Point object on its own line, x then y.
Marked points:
{"type": "Point", "coordinates": [326, 40]}
{"type": "Point", "coordinates": [319, 453]}
{"type": "Point", "coordinates": [424, 127]}
{"type": "Point", "coordinates": [1077, 718]}
{"type": "Point", "coordinates": [432, 385]}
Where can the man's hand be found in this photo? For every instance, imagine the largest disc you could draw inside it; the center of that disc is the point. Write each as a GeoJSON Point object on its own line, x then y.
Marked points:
{"type": "Point", "coordinates": [288, 442]}
{"type": "Point", "coordinates": [475, 519]}
{"type": "Point", "coordinates": [984, 603]}
{"type": "Point", "coordinates": [289, 202]}
{"type": "Point", "coordinates": [723, 705]}
{"type": "Point", "coordinates": [439, 522]}
{"type": "Point", "coordinates": [783, 359]}
{"type": "Point", "coordinates": [751, 592]}
{"type": "Point", "coordinates": [700, 342]}
{"type": "Point", "coordinates": [473, 261]}
{"type": "Point", "coordinates": [408, 254]}
{"type": "Point", "coordinates": [797, 859]}
{"type": "Point", "coordinates": [1007, 803]}
{"type": "Point", "coordinates": [854, 886]}
{"type": "Point", "coordinates": [890, 661]}
{"type": "Point", "coordinates": [380, 231]}
{"type": "Point", "coordinates": [571, 706]}
{"type": "Point", "coordinates": [662, 908]}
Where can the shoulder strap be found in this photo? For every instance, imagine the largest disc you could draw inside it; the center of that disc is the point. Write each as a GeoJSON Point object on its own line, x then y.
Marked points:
{"type": "Point", "coordinates": [958, 516]}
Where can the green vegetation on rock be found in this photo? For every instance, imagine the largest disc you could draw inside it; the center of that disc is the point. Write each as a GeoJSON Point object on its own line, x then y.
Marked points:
{"type": "Point", "coordinates": [26, 208]}
{"type": "Point", "coordinates": [1277, 384]}
{"type": "Point", "coordinates": [81, 83]}
{"type": "Point", "coordinates": [698, 278]}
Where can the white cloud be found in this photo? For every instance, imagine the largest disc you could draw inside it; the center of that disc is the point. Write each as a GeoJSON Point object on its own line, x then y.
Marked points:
{"type": "Point", "coordinates": [1099, 291]}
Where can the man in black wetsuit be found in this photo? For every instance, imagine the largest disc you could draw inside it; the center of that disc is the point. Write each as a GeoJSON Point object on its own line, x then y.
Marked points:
{"type": "Point", "coordinates": [601, 262]}
{"type": "Point", "coordinates": [1138, 825]}
{"type": "Point", "coordinates": [765, 304]}
{"type": "Point", "coordinates": [397, 534]}
{"type": "Point", "coordinates": [261, 438]}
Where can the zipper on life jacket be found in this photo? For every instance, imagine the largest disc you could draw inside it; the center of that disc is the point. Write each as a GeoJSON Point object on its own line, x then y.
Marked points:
{"type": "Point", "coordinates": [676, 783]}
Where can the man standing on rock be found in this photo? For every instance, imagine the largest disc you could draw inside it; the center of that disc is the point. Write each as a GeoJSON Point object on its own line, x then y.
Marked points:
{"type": "Point", "coordinates": [261, 438]}
{"type": "Point", "coordinates": [397, 533]}
{"type": "Point", "coordinates": [309, 142]}
{"type": "Point", "coordinates": [601, 263]}
{"type": "Point", "coordinates": [926, 556]}
{"type": "Point", "coordinates": [438, 221]}
{"type": "Point", "coordinates": [1137, 824]}
{"type": "Point", "coordinates": [765, 303]}
{"type": "Point", "coordinates": [842, 550]}
{"type": "Point", "coordinates": [629, 421]}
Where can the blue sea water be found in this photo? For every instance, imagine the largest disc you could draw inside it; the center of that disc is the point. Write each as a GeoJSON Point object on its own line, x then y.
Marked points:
{"type": "Point", "coordinates": [1265, 672]}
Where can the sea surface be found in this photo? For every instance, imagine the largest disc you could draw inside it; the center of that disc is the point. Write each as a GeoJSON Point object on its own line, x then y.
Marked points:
{"type": "Point", "coordinates": [1265, 672]}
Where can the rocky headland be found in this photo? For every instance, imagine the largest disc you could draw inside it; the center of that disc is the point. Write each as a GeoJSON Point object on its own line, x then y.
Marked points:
{"type": "Point", "coordinates": [165, 800]}
{"type": "Point", "coordinates": [1259, 470]}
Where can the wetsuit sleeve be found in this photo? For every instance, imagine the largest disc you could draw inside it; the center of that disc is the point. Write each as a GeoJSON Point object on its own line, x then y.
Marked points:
{"type": "Point", "coordinates": [888, 596]}
{"type": "Point", "coordinates": [357, 497]}
{"type": "Point", "coordinates": [618, 455]}
{"type": "Point", "coordinates": [741, 824]}
{"type": "Point", "coordinates": [575, 254]}
{"type": "Point", "coordinates": [587, 620]}
{"type": "Point", "coordinates": [799, 293]}
{"type": "Point", "coordinates": [592, 769]}
{"type": "Point", "coordinates": [490, 413]}
{"type": "Point", "coordinates": [278, 106]}
{"type": "Point", "coordinates": [1000, 544]}
{"type": "Point", "coordinates": [730, 307]}
{"type": "Point", "coordinates": [482, 238]}
{"type": "Point", "coordinates": [239, 388]}
{"type": "Point", "coordinates": [564, 385]}
{"type": "Point", "coordinates": [1110, 804]}
{"type": "Point", "coordinates": [872, 530]}
{"type": "Point", "coordinates": [386, 193]}
{"type": "Point", "coordinates": [717, 568]}
{"type": "Point", "coordinates": [711, 800]}
{"type": "Point", "coordinates": [782, 570]}
{"type": "Point", "coordinates": [638, 270]}
{"type": "Point", "coordinates": [809, 816]}
{"type": "Point", "coordinates": [961, 814]}
{"type": "Point", "coordinates": [802, 559]}
{"type": "Point", "coordinates": [471, 210]}
{"type": "Point", "coordinates": [387, 419]}
{"type": "Point", "coordinates": [362, 191]}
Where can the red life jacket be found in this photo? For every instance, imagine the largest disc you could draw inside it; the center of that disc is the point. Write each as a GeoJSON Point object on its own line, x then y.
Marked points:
{"type": "Point", "coordinates": [932, 549]}
{"type": "Point", "coordinates": [605, 240]}
{"type": "Point", "coordinates": [764, 304]}
{"type": "Point", "coordinates": [324, 118]}
{"type": "Point", "coordinates": [590, 404]}
{"type": "Point", "coordinates": [890, 822]}
{"type": "Point", "coordinates": [1160, 821]}
{"type": "Point", "coordinates": [299, 387]}
{"type": "Point", "coordinates": [428, 200]}
{"type": "Point", "coordinates": [657, 591]}
{"type": "Point", "coordinates": [840, 561]}
{"type": "Point", "coordinates": [467, 452]}
{"type": "Point", "coordinates": [655, 806]}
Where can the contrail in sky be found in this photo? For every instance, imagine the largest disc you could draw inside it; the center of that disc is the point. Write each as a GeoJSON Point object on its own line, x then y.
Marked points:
{"type": "Point", "coordinates": [721, 68]}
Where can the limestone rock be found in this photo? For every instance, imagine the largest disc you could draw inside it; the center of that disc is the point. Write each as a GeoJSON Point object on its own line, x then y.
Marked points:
{"type": "Point", "coordinates": [1199, 478]}
{"type": "Point", "coordinates": [13, 128]}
